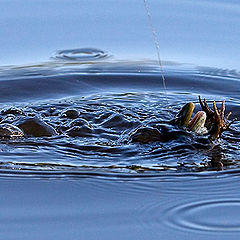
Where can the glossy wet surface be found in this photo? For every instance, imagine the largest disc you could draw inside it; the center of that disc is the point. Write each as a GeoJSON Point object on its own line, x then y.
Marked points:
{"type": "Point", "coordinates": [94, 131]}
{"type": "Point", "coordinates": [71, 101]}
{"type": "Point", "coordinates": [83, 173]}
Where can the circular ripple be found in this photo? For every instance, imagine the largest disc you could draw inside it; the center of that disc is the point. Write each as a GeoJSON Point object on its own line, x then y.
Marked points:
{"type": "Point", "coordinates": [81, 54]}
{"type": "Point", "coordinates": [212, 216]}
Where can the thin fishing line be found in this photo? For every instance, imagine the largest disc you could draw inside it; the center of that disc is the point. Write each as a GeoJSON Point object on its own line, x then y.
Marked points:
{"type": "Point", "coordinates": [156, 44]}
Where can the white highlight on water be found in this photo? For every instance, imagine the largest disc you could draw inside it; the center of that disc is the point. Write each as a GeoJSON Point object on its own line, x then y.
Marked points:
{"type": "Point", "coordinates": [156, 43]}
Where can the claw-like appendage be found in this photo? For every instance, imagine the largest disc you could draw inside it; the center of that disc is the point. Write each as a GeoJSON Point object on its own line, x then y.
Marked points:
{"type": "Point", "coordinates": [208, 111]}
{"type": "Point", "coordinates": [216, 121]}
{"type": "Point", "coordinates": [205, 107]}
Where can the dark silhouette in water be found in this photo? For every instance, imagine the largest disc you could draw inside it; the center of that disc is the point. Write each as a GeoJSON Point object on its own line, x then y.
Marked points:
{"type": "Point", "coordinates": [205, 122]}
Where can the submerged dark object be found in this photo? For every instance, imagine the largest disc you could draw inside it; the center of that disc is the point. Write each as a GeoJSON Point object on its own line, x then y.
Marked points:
{"type": "Point", "coordinates": [8, 131]}
{"type": "Point", "coordinates": [162, 133]}
{"type": "Point", "coordinates": [206, 122]}
{"type": "Point", "coordinates": [13, 111]}
{"type": "Point", "coordinates": [71, 113]}
{"type": "Point", "coordinates": [36, 128]}
{"type": "Point", "coordinates": [146, 134]}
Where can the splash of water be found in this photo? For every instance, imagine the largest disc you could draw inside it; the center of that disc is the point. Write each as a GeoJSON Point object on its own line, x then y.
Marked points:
{"type": "Point", "coordinates": [156, 43]}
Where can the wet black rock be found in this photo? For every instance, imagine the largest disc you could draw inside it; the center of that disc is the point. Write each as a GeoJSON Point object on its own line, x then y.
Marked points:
{"type": "Point", "coordinates": [118, 121]}
{"type": "Point", "coordinates": [52, 111]}
{"type": "Point", "coordinates": [163, 133]}
{"type": "Point", "coordinates": [146, 135]}
{"type": "Point", "coordinates": [71, 113]}
{"type": "Point", "coordinates": [9, 118]}
{"type": "Point", "coordinates": [77, 131]}
{"type": "Point", "coordinates": [36, 127]}
{"type": "Point", "coordinates": [79, 122]}
{"type": "Point", "coordinates": [9, 130]}
{"type": "Point", "coordinates": [13, 111]}
{"type": "Point", "coordinates": [74, 123]}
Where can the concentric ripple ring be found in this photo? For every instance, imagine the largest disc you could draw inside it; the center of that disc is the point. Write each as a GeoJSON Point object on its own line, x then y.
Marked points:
{"type": "Point", "coordinates": [81, 54]}
{"type": "Point", "coordinates": [206, 216]}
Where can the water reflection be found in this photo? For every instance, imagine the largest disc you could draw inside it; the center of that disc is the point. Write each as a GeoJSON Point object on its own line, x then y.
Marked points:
{"type": "Point", "coordinates": [216, 157]}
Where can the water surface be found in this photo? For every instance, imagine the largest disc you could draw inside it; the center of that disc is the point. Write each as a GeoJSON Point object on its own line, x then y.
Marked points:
{"type": "Point", "coordinates": [88, 69]}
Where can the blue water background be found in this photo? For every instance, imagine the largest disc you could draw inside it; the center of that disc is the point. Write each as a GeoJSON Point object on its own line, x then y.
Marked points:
{"type": "Point", "coordinates": [204, 32]}
{"type": "Point", "coordinates": [57, 188]}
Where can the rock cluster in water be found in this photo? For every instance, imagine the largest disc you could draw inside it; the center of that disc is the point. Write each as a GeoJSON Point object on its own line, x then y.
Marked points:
{"type": "Point", "coordinates": [17, 123]}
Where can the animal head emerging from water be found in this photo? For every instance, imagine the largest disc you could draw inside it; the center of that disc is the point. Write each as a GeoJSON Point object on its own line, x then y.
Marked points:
{"type": "Point", "coordinates": [206, 121]}
{"type": "Point", "coordinates": [183, 119]}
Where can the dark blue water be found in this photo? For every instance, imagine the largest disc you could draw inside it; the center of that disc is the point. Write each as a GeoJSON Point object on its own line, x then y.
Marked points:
{"type": "Point", "coordinates": [89, 71]}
